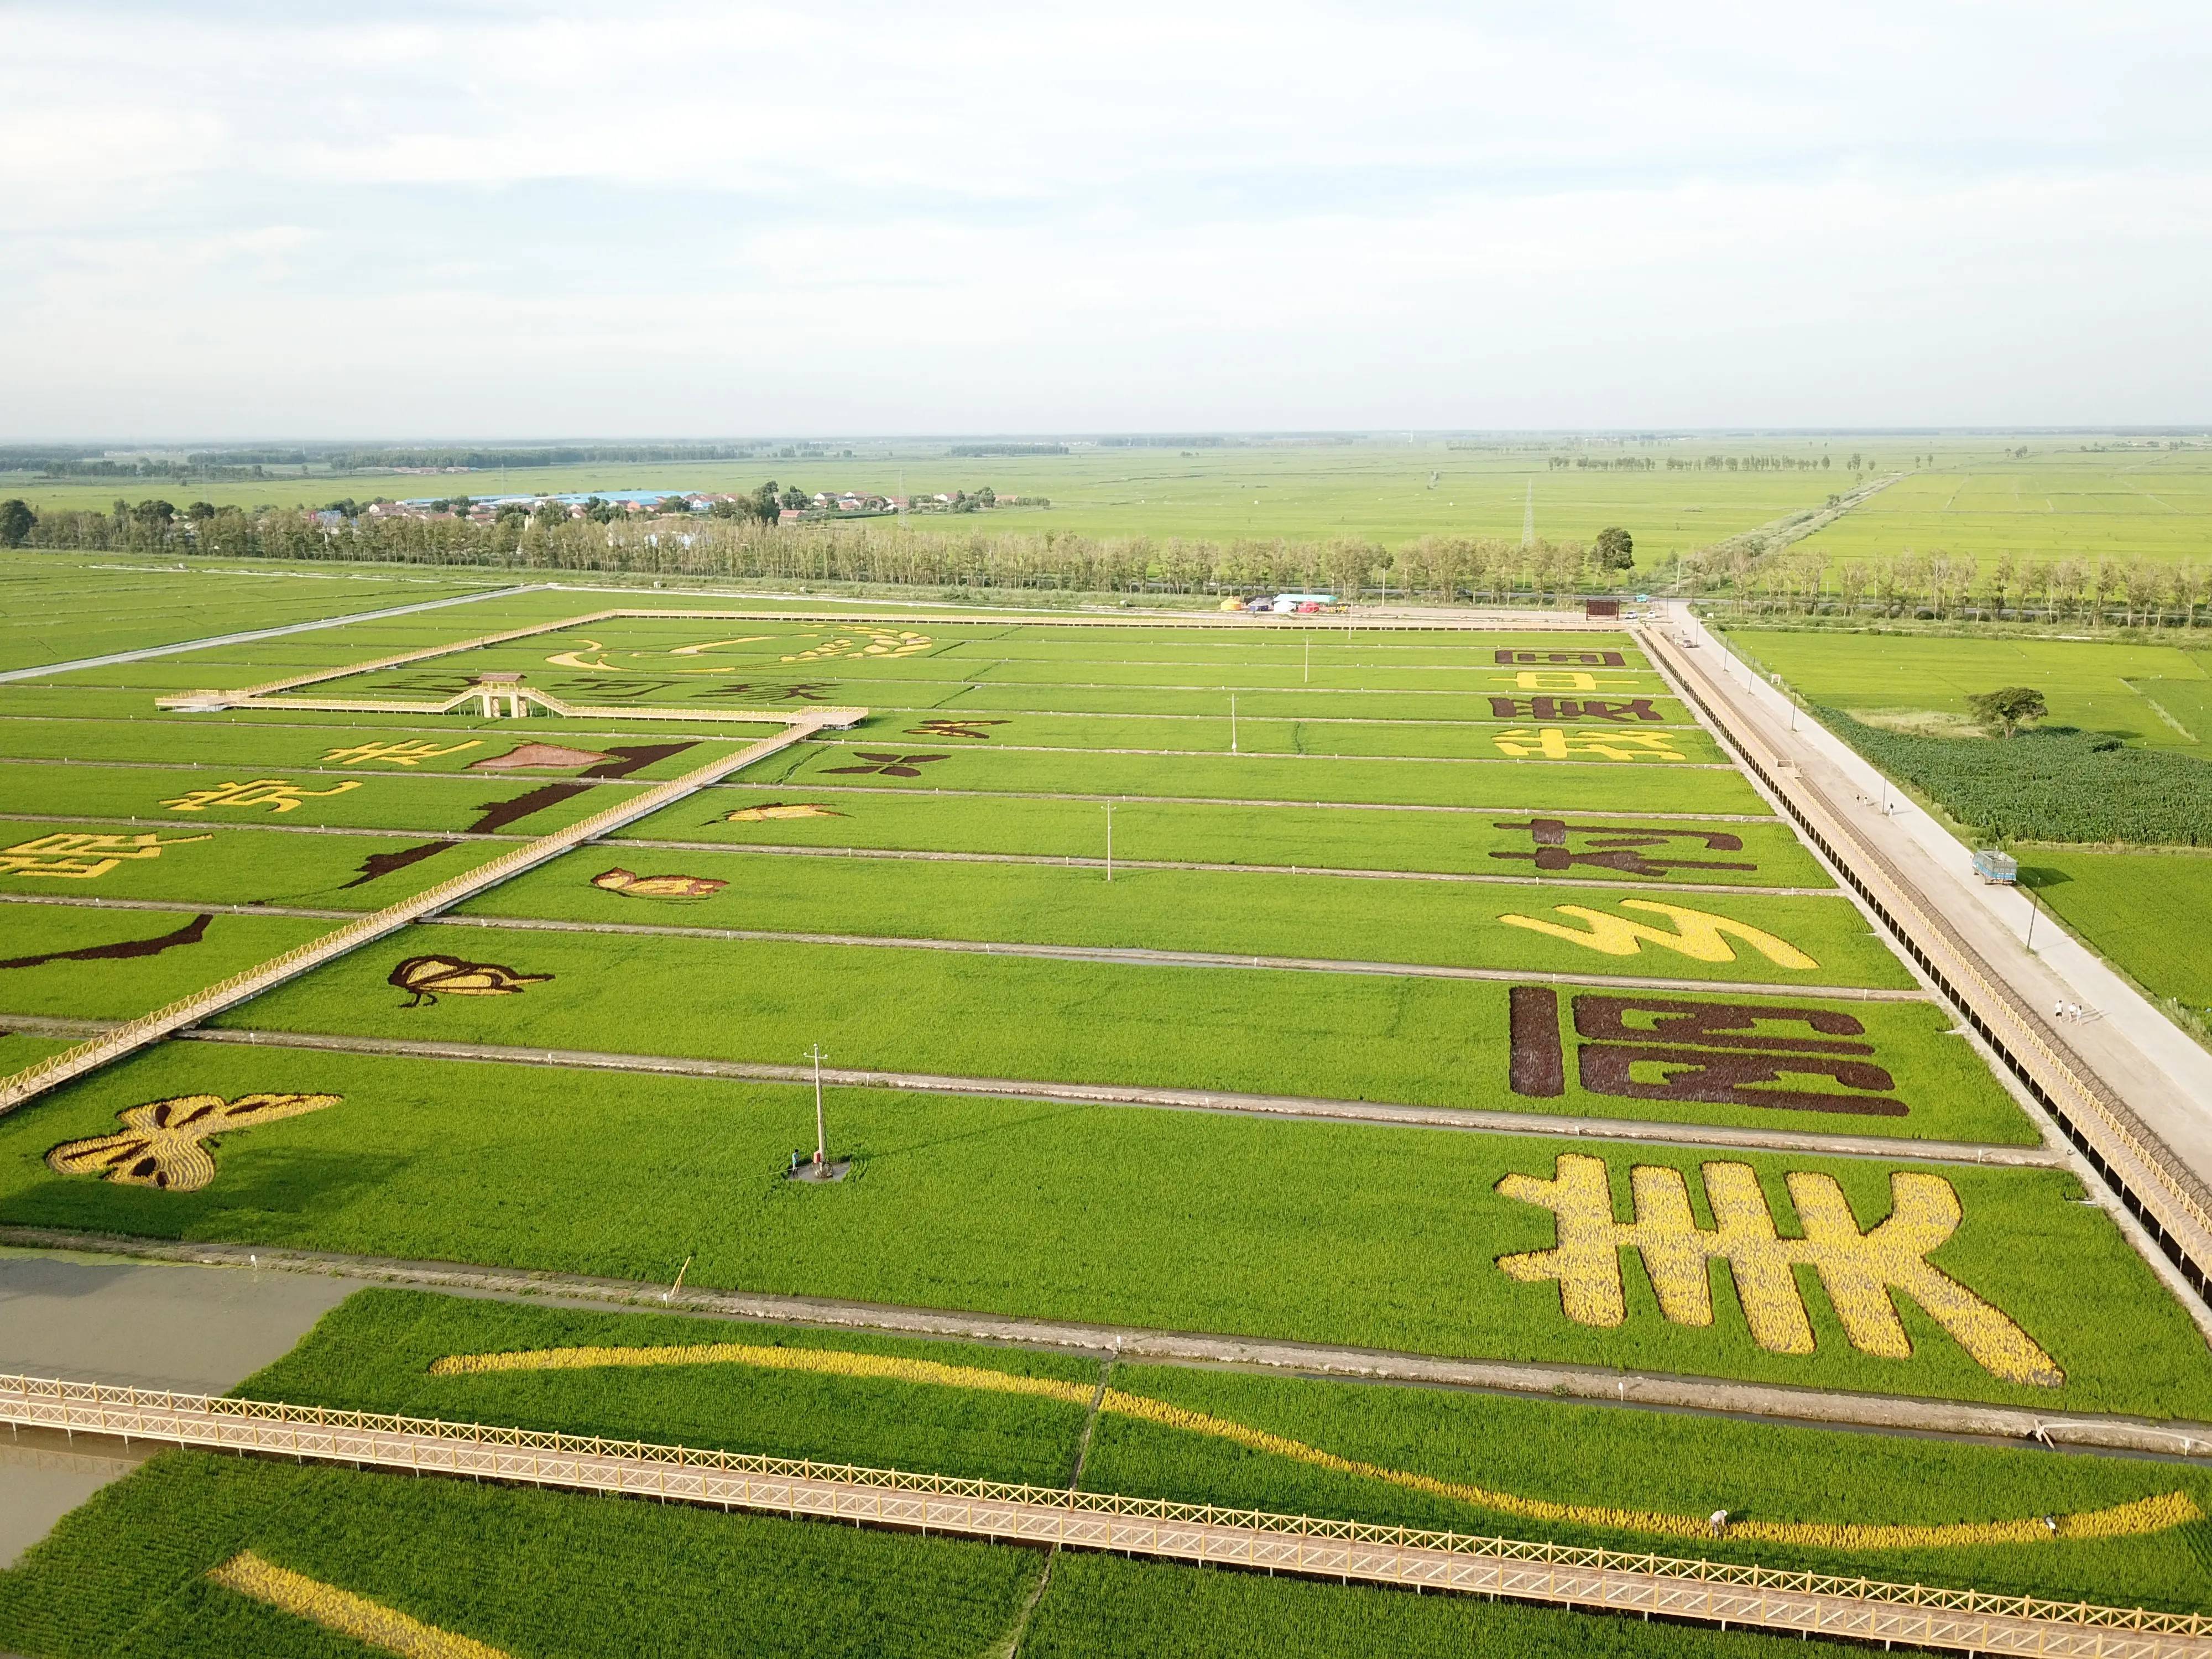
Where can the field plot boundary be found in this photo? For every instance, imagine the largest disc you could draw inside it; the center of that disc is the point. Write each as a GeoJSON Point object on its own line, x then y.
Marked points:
{"type": "Point", "coordinates": [1609, 1580]}
{"type": "Point", "coordinates": [113, 658]}
{"type": "Point", "coordinates": [128, 1037]}
{"type": "Point", "coordinates": [2172, 1204]}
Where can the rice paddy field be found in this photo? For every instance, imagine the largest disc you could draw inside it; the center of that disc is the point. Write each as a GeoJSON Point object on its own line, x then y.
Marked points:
{"type": "Point", "coordinates": [1425, 994]}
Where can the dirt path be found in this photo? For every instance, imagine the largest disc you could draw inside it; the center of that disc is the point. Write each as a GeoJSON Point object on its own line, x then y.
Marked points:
{"type": "Point", "coordinates": [1894, 1413]}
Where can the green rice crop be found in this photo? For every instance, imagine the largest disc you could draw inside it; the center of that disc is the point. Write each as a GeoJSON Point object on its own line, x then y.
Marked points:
{"type": "Point", "coordinates": [1305, 837]}
{"type": "Point", "coordinates": [525, 1571]}
{"type": "Point", "coordinates": [374, 1351]}
{"type": "Point", "coordinates": [1253, 913]}
{"type": "Point", "coordinates": [2137, 908]}
{"type": "Point", "coordinates": [1507, 784]}
{"type": "Point", "coordinates": [112, 989]}
{"type": "Point", "coordinates": [214, 864]}
{"type": "Point", "coordinates": [1331, 1035]}
{"type": "Point", "coordinates": [1678, 1463]}
{"type": "Point", "coordinates": [1300, 1231]}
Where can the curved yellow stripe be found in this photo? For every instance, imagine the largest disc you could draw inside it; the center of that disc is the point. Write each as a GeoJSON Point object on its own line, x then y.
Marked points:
{"type": "Point", "coordinates": [2133, 1519]}
{"type": "Point", "coordinates": [335, 1609]}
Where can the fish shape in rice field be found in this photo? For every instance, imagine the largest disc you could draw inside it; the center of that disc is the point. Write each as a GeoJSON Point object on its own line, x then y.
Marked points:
{"type": "Point", "coordinates": [630, 884]}
{"type": "Point", "coordinates": [539, 757]}
{"type": "Point", "coordinates": [425, 979]}
{"type": "Point", "coordinates": [159, 1145]}
{"type": "Point", "coordinates": [777, 809]}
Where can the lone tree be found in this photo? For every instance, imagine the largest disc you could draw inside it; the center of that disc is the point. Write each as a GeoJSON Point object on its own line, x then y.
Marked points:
{"type": "Point", "coordinates": [16, 522]}
{"type": "Point", "coordinates": [2007, 706]}
{"type": "Point", "coordinates": [1614, 549]}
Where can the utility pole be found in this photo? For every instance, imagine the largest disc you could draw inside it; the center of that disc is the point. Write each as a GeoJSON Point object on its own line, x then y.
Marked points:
{"type": "Point", "coordinates": [821, 1141]}
{"type": "Point", "coordinates": [1232, 722]}
{"type": "Point", "coordinates": [1109, 841]}
{"type": "Point", "coordinates": [2034, 905]}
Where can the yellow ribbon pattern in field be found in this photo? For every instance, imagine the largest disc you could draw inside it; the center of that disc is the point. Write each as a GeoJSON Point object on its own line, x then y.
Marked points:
{"type": "Point", "coordinates": [2143, 1514]}
{"type": "Point", "coordinates": [335, 1609]}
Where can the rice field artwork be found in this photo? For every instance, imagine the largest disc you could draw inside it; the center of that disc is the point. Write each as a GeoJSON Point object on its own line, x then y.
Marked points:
{"type": "Point", "coordinates": [406, 752]}
{"type": "Point", "coordinates": [1559, 742]}
{"type": "Point", "coordinates": [425, 979]}
{"type": "Point", "coordinates": [343, 1613]}
{"type": "Point", "coordinates": [276, 794]}
{"type": "Point", "coordinates": [775, 810]}
{"type": "Point", "coordinates": [630, 884]}
{"type": "Point", "coordinates": [539, 757]}
{"type": "Point", "coordinates": [1858, 1270]}
{"type": "Point", "coordinates": [889, 766]}
{"type": "Point", "coordinates": [1697, 934]}
{"type": "Point", "coordinates": [74, 855]}
{"type": "Point", "coordinates": [162, 1142]}
{"type": "Point", "coordinates": [122, 950]}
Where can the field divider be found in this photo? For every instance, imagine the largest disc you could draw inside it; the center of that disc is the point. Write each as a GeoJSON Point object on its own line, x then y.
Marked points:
{"type": "Point", "coordinates": [132, 1035]}
{"type": "Point", "coordinates": [2160, 1191]}
{"type": "Point", "coordinates": [1615, 1581]}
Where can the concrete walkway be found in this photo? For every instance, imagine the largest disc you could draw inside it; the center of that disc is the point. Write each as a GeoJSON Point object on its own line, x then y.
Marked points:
{"type": "Point", "coordinates": [1620, 1581]}
{"type": "Point", "coordinates": [2141, 1056]}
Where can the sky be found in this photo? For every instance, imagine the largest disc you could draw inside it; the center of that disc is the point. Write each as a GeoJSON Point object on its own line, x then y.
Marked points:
{"type": "Point", "coordinates": [504, 220]}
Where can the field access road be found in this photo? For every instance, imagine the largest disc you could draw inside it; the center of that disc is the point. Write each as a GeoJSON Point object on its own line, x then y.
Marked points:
{"type": "Point", "coordinates": [2139, 1055]}
{"type": "Point", "coordinates": [114, 657]}
{"type": "Point", "coordinates": [1708, 1592]}
{"type": "Point", "coordinates": [1880, 1413]}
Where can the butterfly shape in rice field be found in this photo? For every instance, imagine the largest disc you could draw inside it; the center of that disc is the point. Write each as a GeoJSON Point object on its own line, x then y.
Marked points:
{"type": "Point", "coordinates": [160, 1144]}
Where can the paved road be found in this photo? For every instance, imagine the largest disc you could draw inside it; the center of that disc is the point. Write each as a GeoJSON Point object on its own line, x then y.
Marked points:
{"type": "Point", "coordinates": [2138, 1053]}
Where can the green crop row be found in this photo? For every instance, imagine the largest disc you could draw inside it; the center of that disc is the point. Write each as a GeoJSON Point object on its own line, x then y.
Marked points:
{"type": "Point", "coordinates": [1319, 1232]}
{"type": "Point", "coordinates": [1806, 939]}
{"type": "Point", "coordinates": [1430, 1042]}
{"type": "Point", "coordinates": [2049, 786]}
{"type": "Point", "coordinates": [526, 1571]}
{"type": "Point", "coordinates": [1305, 837]}
{"type": "Point", "coordinates": [1611, 785]}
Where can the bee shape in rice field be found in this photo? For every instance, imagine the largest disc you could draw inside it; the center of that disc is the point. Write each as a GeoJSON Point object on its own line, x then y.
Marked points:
{"type": "Point", "coordinates": [425, 979]}
{"type": "Point", "coordinates": [159, 1145]}
{"type": "Point", "coordinates": [630, 884]}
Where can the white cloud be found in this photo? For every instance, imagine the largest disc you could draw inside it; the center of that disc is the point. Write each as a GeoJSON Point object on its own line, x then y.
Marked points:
{"type": "Point", "coordinates": [764, 218]}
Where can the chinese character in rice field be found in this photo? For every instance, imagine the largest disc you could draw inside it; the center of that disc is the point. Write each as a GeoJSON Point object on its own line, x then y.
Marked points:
{"type": "Point", "coordinates": [1505, 658]}
{"type": "Point", "coordinates": [425, 979]}
{"type": "Point", "coordinates": [1623, 847]}
{"type": "Point", "coordinates": [159, 1145]}
{"type": "Point", "coordinates": [275, 793]}
{"type": "Point", "coordinates": [1858, 1270]}
{"type": "Point", "coordinates": [411, 753]}
{"type": "Point", "coordinates": [799, 691]}
{"type": "Point", "coordinates": [953, 728]}
{"type": "Point", "coordinates": [1698, 935]}
{"type": "Point", "coordinates": [76, 856]}
{"type": "Point", "coordinates": [890, 766]}
{"type": "Point", "coordinates": [1721, 1053]}
{"type": "Point", "coordinates": [1571, 708]}
{"type": "Point", "coordinates": [1557, 743]}
{"type": "Point", "coordinates": [1551, 679]}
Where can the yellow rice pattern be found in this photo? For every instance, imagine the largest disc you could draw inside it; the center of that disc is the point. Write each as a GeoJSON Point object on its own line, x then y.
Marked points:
{"type": "Point", "coordinates": [342, 1610]}
{"type": "Point", "coordinates": [2143, 1514]}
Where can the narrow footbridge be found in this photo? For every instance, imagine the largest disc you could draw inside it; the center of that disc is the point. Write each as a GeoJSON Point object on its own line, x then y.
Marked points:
{"type": "Point", "coordinates": [1706, 1592]}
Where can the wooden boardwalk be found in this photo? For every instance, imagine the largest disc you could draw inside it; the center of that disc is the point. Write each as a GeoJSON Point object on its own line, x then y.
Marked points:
{"type": "Point", "coordinates": [132, 1035]}
{"type": "Point", "coordinates": [1719, 1593]}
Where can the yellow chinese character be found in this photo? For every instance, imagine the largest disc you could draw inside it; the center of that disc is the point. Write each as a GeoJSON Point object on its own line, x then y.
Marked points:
{"type": "Point", "coordinates": [274, 793]}
{"type": "Point", "coordinates": [1557, 743]}
{"type": "Point", "coordinates": [1697, 934]}
{"type": "Point", "coordinates": [1857, 1269]}
{"type": "Point", "coordinates": [398, 754]}
{"type": "Point", "coordinates": [1553, 679]}
{"type": "Point", "coordinates": [76, 856]}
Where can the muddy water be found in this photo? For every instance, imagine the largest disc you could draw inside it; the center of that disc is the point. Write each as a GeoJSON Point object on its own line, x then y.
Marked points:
{"type": "Point", "coordinates": [146, 1326]}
